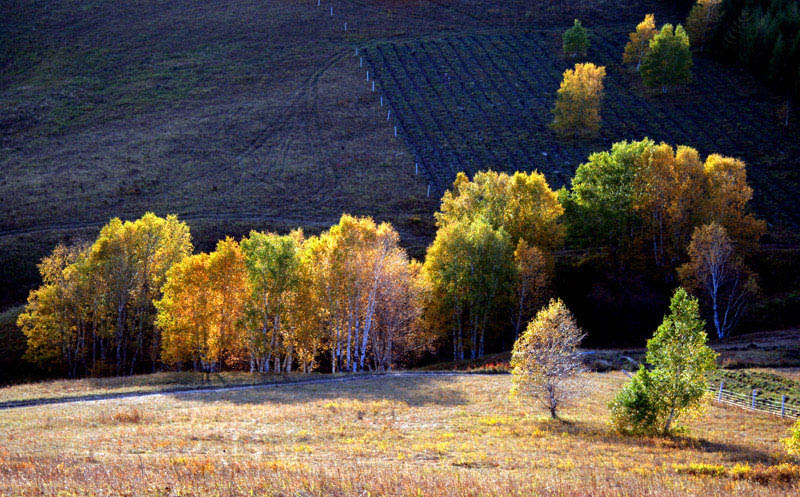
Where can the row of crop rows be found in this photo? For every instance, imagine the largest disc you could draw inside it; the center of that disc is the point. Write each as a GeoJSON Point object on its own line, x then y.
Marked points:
{"type": "Point", "coordinates": [484, 101]}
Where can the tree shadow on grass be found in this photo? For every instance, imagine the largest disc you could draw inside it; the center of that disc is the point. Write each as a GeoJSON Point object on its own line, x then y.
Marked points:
{"type": "Point", "coordinates": [413, 391]}
{"type": "Point", "coordinates": [736, 453]}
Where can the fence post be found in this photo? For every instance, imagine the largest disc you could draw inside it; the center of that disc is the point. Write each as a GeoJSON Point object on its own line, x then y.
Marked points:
{"type": "Point", "coordinates": [783, 406]}
{"type": "Point", "coordinates": [721, 386]}
{"type": "Point", "coordinates": [753, 402]}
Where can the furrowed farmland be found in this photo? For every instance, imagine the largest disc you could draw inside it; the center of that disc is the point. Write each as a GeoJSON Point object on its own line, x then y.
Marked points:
{"type": "Point", "coordinates": [484, 101]}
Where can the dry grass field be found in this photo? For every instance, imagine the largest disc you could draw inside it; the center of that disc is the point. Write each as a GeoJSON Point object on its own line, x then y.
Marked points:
{"type": "Point", "coordinates": [410, 436]}
{"type": "Point", "coordinates": [156, 382]}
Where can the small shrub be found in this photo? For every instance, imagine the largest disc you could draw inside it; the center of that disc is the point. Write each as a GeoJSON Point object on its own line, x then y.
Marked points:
{"type": "Point", "coordinates": [785, 473]}
{"type": "Point", "coordinates": [126, 416]}
{"type": "Point", "coordinates": [635, 410]}
{"type": "Point", "coordinates": [792, 443]}
{"type": "Point", "coordinates": [701, 469]}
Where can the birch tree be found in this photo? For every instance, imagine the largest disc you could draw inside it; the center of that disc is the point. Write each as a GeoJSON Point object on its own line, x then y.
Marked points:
{"type": "Point", "coordinates": [717, 274]}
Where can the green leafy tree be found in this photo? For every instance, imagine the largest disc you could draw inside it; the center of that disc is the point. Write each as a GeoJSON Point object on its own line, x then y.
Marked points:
{"type": "Point", "coordinates": [272, 263]}
{"type": "Point", "coordinates": [680, 359]}
{"type": "Point", "coordinates": [668, 62]}
{"type": "Point", "coordinates": [576, 40]}
{"type": "Point", "coordinates": [599, 208]}
{"type": "Point", "coordinates": [471, 268]}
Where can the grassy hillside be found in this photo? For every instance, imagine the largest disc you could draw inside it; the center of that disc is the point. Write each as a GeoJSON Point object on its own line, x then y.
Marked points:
{"type": "Point", "coordinates": [434, 436]}
{"type": "Point", "coordinates": [234, 114]}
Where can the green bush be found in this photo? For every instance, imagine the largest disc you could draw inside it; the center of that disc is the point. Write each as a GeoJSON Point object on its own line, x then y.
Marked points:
{"type": "Point", "coordinates": [576, 40]}
{"type": "Point", "coordinates": [635, 410]}
{"type": "Point", "coordinates": [668, 63]}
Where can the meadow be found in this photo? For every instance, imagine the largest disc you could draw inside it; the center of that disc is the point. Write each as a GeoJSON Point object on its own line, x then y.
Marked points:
{"type": "Point", "coordinates": [457, 435]}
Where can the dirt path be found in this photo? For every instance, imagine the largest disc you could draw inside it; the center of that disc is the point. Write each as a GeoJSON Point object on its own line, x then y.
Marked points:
{"type": "Point", "coordinates": [201, 390]}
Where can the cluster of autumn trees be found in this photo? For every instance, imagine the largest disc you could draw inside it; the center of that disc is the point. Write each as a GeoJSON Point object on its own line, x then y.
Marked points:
{"type": "Point", "coordinates": [277, 302]}
{"type": "Point", "coordinates": [350, 299]}
{"type": "Point", "coordinates": [138, 298]}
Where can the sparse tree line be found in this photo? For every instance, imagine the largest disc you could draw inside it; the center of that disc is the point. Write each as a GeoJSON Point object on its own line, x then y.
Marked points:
{"type": "Point", "coordinates": [350, 299]}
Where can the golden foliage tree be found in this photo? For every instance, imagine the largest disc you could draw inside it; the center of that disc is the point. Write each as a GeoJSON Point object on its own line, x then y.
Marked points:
{"type": "Point", "coordinates": [350, 268]}
{"type": "Point", "coordinates": [545, 361]}
{"type": "Point", "coordinates": [202, 308]}
{"type": "Point", "coordinates": [577, 109]}
{"type": "Point", "coordinates": [470, 266]}
{"type": "Point", "coordinates": [639, 43]}
{"type": "Point", "coordinates": [522, 204]}
{"type": "Point", "coordinates": [107, 290]}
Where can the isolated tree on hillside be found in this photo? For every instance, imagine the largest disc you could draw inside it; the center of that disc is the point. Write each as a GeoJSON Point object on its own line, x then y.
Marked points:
{"type": "Point", "coordinates": [639, 42]}
{"type": "Point", "coordinates": [576, 40]}
{"type": "Point", "coordinates": [668, 62]}
{"type": "Point", "coordinates": [577, 109]}
{"type": "Point", "coordinates": [716, 273]}
{"type": "Point", "coordinates": [702, 21]}
{"type": "Point", "coordinates": [545, 361]}
{"type": "Point", "coordinates": [680, 359]}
